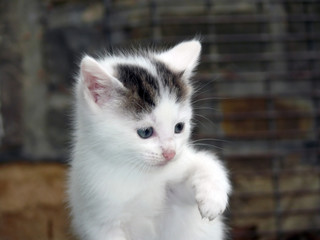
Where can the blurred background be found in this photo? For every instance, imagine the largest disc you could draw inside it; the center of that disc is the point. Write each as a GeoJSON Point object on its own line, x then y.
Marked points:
{"type": "Point", "coordinates": [258, 105]}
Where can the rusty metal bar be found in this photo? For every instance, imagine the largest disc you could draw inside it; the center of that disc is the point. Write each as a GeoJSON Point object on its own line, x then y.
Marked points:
{"type": "Point", "coordinates": [260, 37]}
{"type": "Point", "coordinates": [292, 76]}
{"type": "Point", "coordinates": [252, 57]}
{"type": "Point", "coordinates": [269, 155]}
{"type": "Point", "coordinates": [292, 193]}
{"type": "Point", "coordinates": [261, 134]}
{"type": "Point", "coordinates": [297, 233]}
{"type": "Point", "coordinates": [284, 172]}
{"type": "Point", "coordinates": [222, 19]}
{"type": "Point", "coordinates": [263, 115]}
{"type": "Point", "coordinates": [284, 213]}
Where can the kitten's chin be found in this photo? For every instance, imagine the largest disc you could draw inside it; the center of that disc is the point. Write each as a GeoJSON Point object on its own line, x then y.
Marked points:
{"type": "Point", "coordinates": [160, 163]}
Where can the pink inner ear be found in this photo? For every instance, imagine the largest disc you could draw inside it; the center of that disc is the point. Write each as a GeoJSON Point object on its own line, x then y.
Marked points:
{"type": "Point", "coordinates": [95, 88]}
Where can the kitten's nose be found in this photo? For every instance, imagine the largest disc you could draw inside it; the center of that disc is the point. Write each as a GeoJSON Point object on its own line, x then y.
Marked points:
{"type": "Point", "coordinates": [168, 154]}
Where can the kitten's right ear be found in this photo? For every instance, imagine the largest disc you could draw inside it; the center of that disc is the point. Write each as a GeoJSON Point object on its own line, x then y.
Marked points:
{"type": "Point", "coordinates": [183, 57]}
{"type": "Point", "coordinates": [97, 83]}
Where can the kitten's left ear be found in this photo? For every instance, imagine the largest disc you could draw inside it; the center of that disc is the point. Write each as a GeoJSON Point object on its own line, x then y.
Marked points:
{"type": "Point", "coordinates": [98, 84]}
{"type": "Point", "coordinates": [183, 57]}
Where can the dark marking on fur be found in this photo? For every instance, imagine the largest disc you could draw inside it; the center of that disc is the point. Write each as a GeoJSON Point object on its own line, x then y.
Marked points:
{"type": "Point", "coordinates": [173, 81]}
{"type": "Point", "coordinates": [142, 88]}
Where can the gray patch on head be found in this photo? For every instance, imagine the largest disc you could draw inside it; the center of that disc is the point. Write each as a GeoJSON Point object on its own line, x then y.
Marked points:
{"type": "Point", "coordinates": [173, 81]}
{"type": "Point", "coordinates": [142, 89]}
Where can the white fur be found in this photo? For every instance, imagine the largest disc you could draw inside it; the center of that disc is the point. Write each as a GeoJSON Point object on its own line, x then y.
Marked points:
{"type": "Point", "coordinates": [183, 57]}
{"type": "Point", "coordinates": [122, 188]}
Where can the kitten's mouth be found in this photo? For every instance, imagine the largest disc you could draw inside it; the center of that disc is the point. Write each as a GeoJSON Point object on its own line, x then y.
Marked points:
{"type": "Point", "coordinates": [163, 162]}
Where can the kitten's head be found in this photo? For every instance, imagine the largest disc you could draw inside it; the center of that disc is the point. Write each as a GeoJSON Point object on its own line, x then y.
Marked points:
{"type": "Point", "coordinates": [138, 105]}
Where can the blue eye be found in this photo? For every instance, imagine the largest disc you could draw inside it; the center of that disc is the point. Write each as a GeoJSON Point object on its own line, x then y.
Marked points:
{"type": "Point", "coordinates": [179, 127]}
{"type": "Point", "coordinates": [145, 132]}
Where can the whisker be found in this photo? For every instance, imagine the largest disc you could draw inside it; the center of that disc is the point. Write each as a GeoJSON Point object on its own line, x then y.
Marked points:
{"type": "Point", "coordinates": [200, 122]}
{"type": "Point", "coordinates": [199, 88]}
{"type": "Point", "coordinates": [210, 121]}
{"type": "Point", "coordinates": [210, 98]}
{"type": "Point", "coordinates": [207, 108]}
{"type": "Point", "coordinates": [207, 144]}
{"type": "Point", "coordinates": [210, 139]}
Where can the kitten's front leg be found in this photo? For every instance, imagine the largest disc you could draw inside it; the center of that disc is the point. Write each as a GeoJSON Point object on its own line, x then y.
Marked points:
{"type": "Point", "coordinates": [210, 183]}
{"type": "Point", "coordinates": [98, 232]}
{"type": "Point", "coordinates": [116, 234]}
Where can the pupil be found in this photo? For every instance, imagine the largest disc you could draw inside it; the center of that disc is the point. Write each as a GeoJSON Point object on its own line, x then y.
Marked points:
{"type": "Point", "coordinates": [179, 127]}
{"type": "Point", "coordinates": [145, 132]}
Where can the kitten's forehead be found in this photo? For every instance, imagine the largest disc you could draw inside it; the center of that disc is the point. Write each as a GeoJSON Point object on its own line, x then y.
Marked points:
{"type": "Point", "coordinates": [166, 111]}
{"type": "Point", "coordinates": [148, 83]}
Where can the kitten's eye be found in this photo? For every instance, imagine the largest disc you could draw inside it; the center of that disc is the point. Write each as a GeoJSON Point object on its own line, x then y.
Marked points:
{"type": "Point", "coordinates": [179, 127]}
{"type": "Point", "coordinates": [145, 132]}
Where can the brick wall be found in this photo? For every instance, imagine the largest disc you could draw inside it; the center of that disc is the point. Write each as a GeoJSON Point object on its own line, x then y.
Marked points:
{"type": "Point", "coordinates": [33, 202]}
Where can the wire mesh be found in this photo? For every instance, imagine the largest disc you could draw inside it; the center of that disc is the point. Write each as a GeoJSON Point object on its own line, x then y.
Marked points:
{"type": "Point", "coordinates": [259, 104]}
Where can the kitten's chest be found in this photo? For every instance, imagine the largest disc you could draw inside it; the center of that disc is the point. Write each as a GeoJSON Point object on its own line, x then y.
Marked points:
{"type": "Point", "coordinates": [149, 202]}
{"type": "Point", "coordinates": [146, 212]}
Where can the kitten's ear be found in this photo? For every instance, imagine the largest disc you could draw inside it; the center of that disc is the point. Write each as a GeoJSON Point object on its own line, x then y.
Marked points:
{"type": "Point", "coordinates": [97, 83]}
{"type": "Point", "coordinates": [183, 57]}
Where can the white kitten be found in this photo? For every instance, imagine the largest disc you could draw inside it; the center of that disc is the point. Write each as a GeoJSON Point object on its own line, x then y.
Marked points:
{"type": "Point", "coordinates": [134, 175]}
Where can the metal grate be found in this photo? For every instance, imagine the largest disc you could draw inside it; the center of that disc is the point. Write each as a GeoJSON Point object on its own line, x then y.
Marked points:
{"type": "Point", "coordinates": [259, 76]}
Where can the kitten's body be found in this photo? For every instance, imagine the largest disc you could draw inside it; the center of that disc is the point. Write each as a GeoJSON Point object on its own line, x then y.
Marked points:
{"type": "Point", "coordinates": [127, 185]}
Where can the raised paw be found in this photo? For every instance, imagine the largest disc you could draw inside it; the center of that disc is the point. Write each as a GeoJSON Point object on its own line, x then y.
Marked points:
{"type": "Point", "coordinates": [211, 202]}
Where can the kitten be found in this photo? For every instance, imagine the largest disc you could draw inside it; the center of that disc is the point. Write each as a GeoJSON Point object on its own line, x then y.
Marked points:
{"type": "Point", "coordinates": [134, 175]}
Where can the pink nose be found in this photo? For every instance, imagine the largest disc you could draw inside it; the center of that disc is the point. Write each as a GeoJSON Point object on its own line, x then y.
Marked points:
{"type": "Point", "coordinates": [168, 154]}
